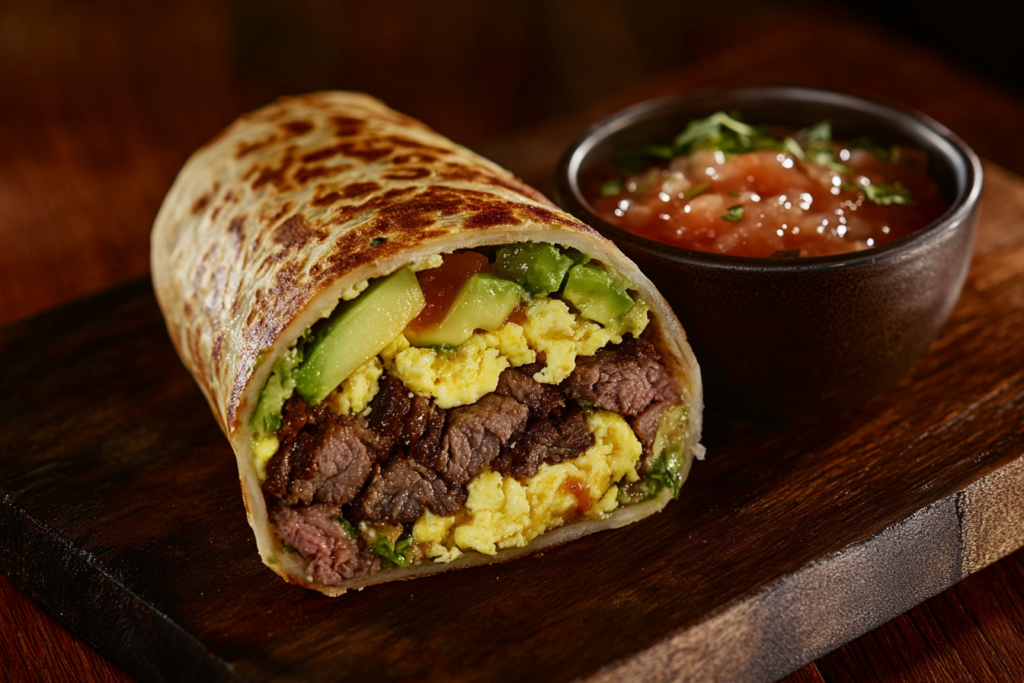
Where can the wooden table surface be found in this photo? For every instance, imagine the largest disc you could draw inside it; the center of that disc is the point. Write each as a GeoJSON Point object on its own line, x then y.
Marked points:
{"type": "Point", "coordinates": [97, 118]}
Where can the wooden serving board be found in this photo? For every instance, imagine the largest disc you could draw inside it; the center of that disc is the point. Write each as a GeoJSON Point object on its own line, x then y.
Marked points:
{"type": "Point", "coordinates": [120, 512]}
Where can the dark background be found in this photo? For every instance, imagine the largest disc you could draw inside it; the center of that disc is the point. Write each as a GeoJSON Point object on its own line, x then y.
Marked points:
{"type": "Point", "coordinates": [473, 69]}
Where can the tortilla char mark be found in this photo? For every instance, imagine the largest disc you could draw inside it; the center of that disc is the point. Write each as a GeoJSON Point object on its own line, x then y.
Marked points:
{"type": "Point", "coordinates": [297, 195]}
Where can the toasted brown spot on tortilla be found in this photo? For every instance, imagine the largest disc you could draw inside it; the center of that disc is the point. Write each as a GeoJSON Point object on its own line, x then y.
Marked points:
{"type": "Point", "coordinates": [246, 148]}
{"type": "Point", "coordinates": [344, 214]}
{"type": "Point", "coordinates": [413, 158]}
{"type": "Point", "coordinates": [236, 230]}
{"type": "Point", "coordinates": [495, 215]}
{"type": "Point", "coordinates": [424, 208]}
{"type": "Point", "coordinates": [401, 141]}
{"type": "Point", "coordinates": [270, 175]}
{"type": "Point", "coordinates": [295, 232]}
{"type": "Point", "coordinates": [307, 173]}
{"type": "Point", "coordinates": [327, 199]}
{"type": "Point", "coordinates": [203, 200]}
{"type": "Point", "coordinates": [279, 212]}
{"type": "Point", "coordinates": [365, 152]}
{"type": "Point", "coordinates": [543, 215]}
{"type": "Point", "coordinates": [359, 189]}
{"type": "Point", "coordinates": [296, 128]}
{"type": "Point", "coordinates": [346, 126]}
{"type": "Point", "coordinates": [407, 173]}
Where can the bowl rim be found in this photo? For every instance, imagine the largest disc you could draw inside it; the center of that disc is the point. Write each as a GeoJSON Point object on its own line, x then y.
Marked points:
{"type": "Point", "coordinates": [941, 138]}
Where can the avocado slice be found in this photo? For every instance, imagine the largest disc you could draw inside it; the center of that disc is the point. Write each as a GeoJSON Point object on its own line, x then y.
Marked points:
{"type": "Point", "coordinates": [540, 268]}
{"type": "Point", "coordinates": [356, 332]}
{"type": "Point", "coordinates": [483, 302]}
{"type": "Point", "coordinates": [596, 294]}
{"type": "Point", "coordinates": [278, 389]}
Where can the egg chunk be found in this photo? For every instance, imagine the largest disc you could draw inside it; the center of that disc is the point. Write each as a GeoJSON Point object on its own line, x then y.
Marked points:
{"type": "Point", "coordinates": [562, 335]}
{"type": "Point", "coordinates": [463, 375]}
{"type": "Point", "coordinates": [501, 512]}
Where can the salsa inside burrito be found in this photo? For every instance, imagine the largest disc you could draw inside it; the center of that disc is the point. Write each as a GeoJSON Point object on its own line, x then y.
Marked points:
{"type": "Point", "coordinates": [419, 361]}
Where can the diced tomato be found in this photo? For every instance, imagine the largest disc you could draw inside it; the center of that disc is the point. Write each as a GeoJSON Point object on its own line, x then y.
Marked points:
{"type": "Point", "coordinates": [764, 202]}
{"type": "Point", "coordinates": [442, 284]}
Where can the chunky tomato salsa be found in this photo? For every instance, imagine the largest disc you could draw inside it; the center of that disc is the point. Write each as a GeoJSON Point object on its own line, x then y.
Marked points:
{"type": "Point", "coordinates": [726, 187]}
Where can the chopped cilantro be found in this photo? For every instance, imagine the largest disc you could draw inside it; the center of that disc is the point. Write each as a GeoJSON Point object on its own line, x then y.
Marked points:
{"type": "Point", "coordinates": [718, 132]}
{"type": "Point", "coordinates": [718, 125]}
{"type": "Point", "coordinates": [733, 214]}
{"type": "Point", "coordinates": [884, 195]}
{"type": "Point", "coordinates": [793, 147]}
{"type": "Point", "coordinates": [666, 471]}
{"type": "Point", "coordinates": [377, 241]}
{"type": "Point", "coordinates": [819, 132]}
{"type": "Point", "coordinates": [697, 189]}
{"type": "Point", "coordinates": [347, 526]}
{"type": "Point", "coordinates": [288, 549]}
{"type": "Point", "coordinates": [881, 153]}
{"type": "Point", "coordinates": [642, 188]}
{"type": "Point", "coordinates": [826, 156]}
{"type": "Point", "coordinates": [611, 188]}
{"type": "Point", "coordinates": [395, 553]}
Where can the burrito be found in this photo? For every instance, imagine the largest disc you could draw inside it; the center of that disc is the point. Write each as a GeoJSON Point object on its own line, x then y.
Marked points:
{"type": "Point", "coordinates": [419, 361]}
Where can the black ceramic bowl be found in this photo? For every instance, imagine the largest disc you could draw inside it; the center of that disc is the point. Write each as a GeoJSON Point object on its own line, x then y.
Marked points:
{"type": "Point", "coordinates": [792, 338]}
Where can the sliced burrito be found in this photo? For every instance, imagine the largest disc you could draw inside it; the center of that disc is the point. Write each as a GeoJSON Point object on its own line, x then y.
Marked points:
{"type": "Point", "coordinates": [419, 361]}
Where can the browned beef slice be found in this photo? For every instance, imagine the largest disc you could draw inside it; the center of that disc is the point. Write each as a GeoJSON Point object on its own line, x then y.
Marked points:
{"type": "Point", "coordinates": [294, 416]}
{"type": "Point", "coordinates": [549, 439]}
{"type": "Point", "coordinates": [326, 463]}
{"type": "Point", "coordinates": [624, 379]}
{"type": "Point", "coordinates": [332, 556]}
{"type": "Point", "coordinates": [518, 383]}
{"type": "Point", "coordinates": [387, 409]}
{"type": "Point", "coordinates": [398, 419]}
{"type": "Point", "coordinates": [426, 448]}
{"type": "Point", "coordinates": [475, 433]}
{"type": "Point", "coordinates": [645, 426]}
{"type": "Point", "coordinates": [400, 492]}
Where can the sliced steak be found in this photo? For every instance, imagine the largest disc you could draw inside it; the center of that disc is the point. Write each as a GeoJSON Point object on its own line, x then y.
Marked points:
{"type": "Point", "coordinates": [331, 555]}
{"type": "Point", "coordinates": [399, 419]}
{"type": "Point", "coordinates": [645, 426]}
{"type": "Point", "coordinates": [548, 439]}
{"type": "Point", "coordinates": [624, 379]}
{"type": "Point", "coordinates": [294, 416]}
{"type": "Point", "coordinates": [475, 433]}
{"type": "Point", "coordinates": [427, 447]}
{"type": "Point", "coordinates": [519, 384]}
{"type": "Point", "coordinates": [326, 463]}
{"type": "Point", "coordinates": [401, 491]}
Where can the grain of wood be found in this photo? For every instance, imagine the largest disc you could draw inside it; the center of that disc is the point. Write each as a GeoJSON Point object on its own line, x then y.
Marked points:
{"type": "Point", "coordinates": [20, 650]}
{"type": "Point", "coordinates": [971, 632]}
{"type": "Point", "coordinates": [87, 161]}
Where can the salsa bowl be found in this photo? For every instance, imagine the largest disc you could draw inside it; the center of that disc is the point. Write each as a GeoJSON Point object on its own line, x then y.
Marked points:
{"type": "Point", "coordinates": [782, 339]}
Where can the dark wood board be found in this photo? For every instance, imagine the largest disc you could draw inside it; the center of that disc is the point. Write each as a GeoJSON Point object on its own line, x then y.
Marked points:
{"type": "Point", "coordinates": [120, 513]}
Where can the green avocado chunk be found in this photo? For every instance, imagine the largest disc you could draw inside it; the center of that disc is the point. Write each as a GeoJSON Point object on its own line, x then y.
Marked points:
{"type": "Point", "coordinates": [267, 417]}
{"type": "Point", "coordinates": [540, 268]}
{"type": "Point", "coordinates": [356, 332]}
{"type": "Point", "coordinates": [596, 294]}
{"type": "Point", "coordinates": [483, 303]}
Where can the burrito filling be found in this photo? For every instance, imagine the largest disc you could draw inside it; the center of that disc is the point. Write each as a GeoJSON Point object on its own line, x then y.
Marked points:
{"type": "Point", "coordinates": [469, 406]}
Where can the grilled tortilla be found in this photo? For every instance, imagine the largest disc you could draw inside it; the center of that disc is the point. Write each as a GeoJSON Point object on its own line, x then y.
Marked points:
{"type": "Point", "coordinates": [297, 205]}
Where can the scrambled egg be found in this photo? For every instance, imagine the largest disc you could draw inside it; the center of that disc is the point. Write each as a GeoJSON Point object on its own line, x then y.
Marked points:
{"type": "Point", "coordinates": [358, 389]}
{"type": "Point", "coordinates": [501, 512]}
{"type": "Point", "coordinates": [462, 375]}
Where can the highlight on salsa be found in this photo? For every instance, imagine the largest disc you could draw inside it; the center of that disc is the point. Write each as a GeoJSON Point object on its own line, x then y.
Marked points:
{"type": "Point", "coordinates": [724, 186]}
